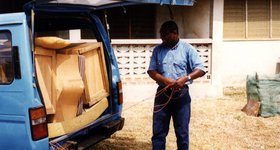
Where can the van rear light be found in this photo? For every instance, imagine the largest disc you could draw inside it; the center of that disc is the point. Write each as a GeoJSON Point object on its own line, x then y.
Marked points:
{"type": "Point", "coordinates": [120, 93]}
{"type": "Point", "coordinates": [38, 121]}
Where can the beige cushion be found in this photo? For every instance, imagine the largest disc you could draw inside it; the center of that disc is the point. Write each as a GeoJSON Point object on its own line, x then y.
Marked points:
{"type": "Point", "coordinates": [51, 42]}
{"type": "Point", "coordinates": [79, 48]}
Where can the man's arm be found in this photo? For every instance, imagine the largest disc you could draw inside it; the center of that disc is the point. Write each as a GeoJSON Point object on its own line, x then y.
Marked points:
{"type": "Point", "coordinates": [161, 79]}
{"type": "Point", "coordinates": [195, 74]}
{"type": "Point", "coordinates": [195, 64]}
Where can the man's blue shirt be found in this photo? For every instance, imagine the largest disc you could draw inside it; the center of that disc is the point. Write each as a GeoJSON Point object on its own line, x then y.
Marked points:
{"type": "Point", "coordinates": [175, 62]}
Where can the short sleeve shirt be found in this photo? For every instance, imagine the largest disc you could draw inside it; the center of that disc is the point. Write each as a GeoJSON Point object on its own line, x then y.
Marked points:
{"type": "Point", "coordinates": [175, 62]}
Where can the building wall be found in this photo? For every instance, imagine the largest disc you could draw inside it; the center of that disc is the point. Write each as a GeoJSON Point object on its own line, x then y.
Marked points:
{"type": "Point", "coordinates": [233, 60]}
{"type": "Point", "coordinates": [198, 20]}
{"type": "Point", "coordinates": [204, 20]}
{"type": "Point", "coordinates": [242, 58]}
{"type": "Point", "coordinates": [193, 21]}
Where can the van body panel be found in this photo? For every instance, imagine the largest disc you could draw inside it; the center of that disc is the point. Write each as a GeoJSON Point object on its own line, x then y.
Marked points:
{"type": "Point", "coordinates": [118, 3]}
{"type": "Point", "coordinates": [113, 112]}
{"type": "Point", "coordinates": [21, 94]}
{"type": "Point", "coordinates": [17, 97]}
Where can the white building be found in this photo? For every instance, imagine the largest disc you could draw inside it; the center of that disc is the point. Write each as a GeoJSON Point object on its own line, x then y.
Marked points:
{"type": "Point", "coordinates": [235, 38]}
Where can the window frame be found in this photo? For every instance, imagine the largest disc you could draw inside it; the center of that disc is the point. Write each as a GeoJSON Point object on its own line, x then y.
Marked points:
{"type": "Point", "coordinates": [6, 31]}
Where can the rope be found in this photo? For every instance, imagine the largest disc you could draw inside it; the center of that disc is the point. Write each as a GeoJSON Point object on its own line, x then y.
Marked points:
{"type": "Point", "coordinates": [55, 146]}
{"type": "Point", "coordinates": [165, 104]}
{"type": "Point", "coordinates": [162, 91]}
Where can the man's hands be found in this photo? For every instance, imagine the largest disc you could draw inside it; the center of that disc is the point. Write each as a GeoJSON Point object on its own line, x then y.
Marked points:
{"type": "Point", "coordinates": [180, 82]}
{"type": "Point", "coordinates": [169, 82]}
{"type": "Point", "coordinates": [175, 84]}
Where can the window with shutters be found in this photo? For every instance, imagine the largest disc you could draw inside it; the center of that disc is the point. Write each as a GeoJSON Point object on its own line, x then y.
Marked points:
{"type": "Point", "coordinates": [251, 19]}
{"type": "Point", "coordinates": [275, 18]}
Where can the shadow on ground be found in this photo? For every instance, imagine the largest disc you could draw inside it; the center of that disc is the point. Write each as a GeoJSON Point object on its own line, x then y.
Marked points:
{"type": "Point", "coordinates": [121, 143]}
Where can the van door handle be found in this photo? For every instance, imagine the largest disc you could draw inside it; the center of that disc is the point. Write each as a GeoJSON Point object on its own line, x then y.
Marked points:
{"type": "Point", "coordinates": [16, 61]}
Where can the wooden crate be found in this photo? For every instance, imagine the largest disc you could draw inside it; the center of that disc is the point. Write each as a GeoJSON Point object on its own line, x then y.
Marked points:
{"type": "Point", "coordinates": [96, 78]}
{"type": "Point", "coordinates": [45, 60]}
{"type": "Point", "coordinates": [60, 80]}
{"type": "Point", "coordinates": [70, 87]}
{"type": "Point", "coordinates": [61, 128]}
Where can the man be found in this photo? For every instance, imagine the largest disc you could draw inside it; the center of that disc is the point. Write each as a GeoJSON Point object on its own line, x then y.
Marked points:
{"type": "Point", "coordinates": [174, 64]}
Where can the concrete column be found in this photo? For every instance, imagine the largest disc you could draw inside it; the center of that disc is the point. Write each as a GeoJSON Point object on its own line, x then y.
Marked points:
{"type": "Point", "coordinates": [217, 51]}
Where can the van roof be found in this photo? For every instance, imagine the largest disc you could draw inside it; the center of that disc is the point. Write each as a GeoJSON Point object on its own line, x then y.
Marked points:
{"type": "Point", "coordinates": [109, 3]}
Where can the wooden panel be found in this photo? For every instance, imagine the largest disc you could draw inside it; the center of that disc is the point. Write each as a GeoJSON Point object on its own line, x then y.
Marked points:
{"type": "Point", "coordinates": [96, 75]}
{"type": "Point", "coordinates": [96, 79]}
{"type": "Point", "coordinates": [45, 60]}
{"type": "Point", "coordinates": [74, 124]}
{"type": "Point", "coordinates": [69, 87]}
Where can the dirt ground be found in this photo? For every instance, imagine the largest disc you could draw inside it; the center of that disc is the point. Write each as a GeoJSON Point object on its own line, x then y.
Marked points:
{"type": "Point", "coordinates": [216, 124]}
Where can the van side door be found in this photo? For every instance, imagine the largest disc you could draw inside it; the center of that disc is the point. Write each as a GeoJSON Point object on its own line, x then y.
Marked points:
{"type": "Point", "coordinates": [17, 91]}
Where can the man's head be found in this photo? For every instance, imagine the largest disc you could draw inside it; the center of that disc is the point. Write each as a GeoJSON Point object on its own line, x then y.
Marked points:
{"type": "Point", "coordinates": [169, 33]}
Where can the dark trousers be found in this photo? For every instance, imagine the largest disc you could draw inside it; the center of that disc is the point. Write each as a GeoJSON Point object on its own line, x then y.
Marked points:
{"type": "Point", "coordinates": [179, 109]}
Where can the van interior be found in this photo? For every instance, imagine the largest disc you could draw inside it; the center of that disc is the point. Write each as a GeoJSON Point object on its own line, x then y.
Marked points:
{"type": "Point", "coordinates": [73, 77]}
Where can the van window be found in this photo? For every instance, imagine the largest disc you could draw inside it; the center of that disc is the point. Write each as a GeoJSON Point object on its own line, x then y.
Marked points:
{"type": "Point", "coordinates": [6, 61]}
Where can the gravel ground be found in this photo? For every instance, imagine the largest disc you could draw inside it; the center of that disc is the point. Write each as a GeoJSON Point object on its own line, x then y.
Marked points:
{"type": "Point", "coordinates": [217, 124]}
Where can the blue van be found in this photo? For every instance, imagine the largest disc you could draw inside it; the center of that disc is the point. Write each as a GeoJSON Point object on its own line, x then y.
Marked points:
{"type": "Point", "coordinates": [56, 93]}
